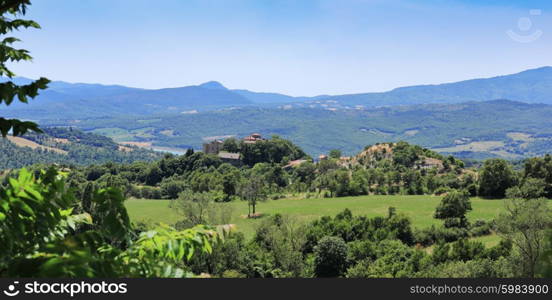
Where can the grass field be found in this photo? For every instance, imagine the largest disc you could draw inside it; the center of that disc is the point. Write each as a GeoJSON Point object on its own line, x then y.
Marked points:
{"type": "Point", "coordinates": [22, 142]}
{"type": "Point", "coordinates": [420, 209]}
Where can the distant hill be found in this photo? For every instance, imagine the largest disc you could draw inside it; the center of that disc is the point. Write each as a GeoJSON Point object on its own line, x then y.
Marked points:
{"type": "Point", "coordinates": [67, 101]}
{"type": "Point", "coordinates": [67, 146]}
{"type": "Point", "coordinates": [76, 100]}
{"type": "Point", "coordinates": [272, 98]}
{"type": "Point", "coordinates": [499, 128]}
{"type": "Point", "coordinates": [404, 154]}
{"type": "Point", "coordinates": [531, 86]}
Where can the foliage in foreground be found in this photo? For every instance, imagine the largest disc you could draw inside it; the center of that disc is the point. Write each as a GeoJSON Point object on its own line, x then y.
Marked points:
{"type": "Point", "coordinates": [44, 232]}
{"type": "Point", "coordinates": [10, 11]}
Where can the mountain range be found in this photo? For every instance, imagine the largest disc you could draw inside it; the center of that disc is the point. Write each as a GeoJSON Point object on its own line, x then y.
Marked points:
{"type": "Point", "coordinates": [505, 116]}
{"type": "Point", "coordinates": [64, 100]}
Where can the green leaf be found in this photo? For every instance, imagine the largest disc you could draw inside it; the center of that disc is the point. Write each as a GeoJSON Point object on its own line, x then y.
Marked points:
{"type": "Point", "coordinates": [24, 207]}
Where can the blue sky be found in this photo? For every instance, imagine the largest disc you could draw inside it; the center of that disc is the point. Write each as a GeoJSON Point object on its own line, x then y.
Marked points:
{"type": "Point", "coordinates": [296, 47]}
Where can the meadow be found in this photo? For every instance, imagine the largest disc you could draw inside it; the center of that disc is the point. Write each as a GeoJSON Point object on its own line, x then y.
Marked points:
{"type": "Point", "coordinates": [419, 209]}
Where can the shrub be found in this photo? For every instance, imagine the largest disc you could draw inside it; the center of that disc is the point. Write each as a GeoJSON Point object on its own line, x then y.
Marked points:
{"type": "Point", "coordinates": [171, 188]}
{"type": "Point", "coordinates": [480, 228]}
{"type": "Point", "coordinates": [330, 257]}
{"type": "Point", "coordinates": [442, 190]}
{"type": "Point", "coordinates": [433, 234]}
{"type": "Point", "coordinates": [466, 250]}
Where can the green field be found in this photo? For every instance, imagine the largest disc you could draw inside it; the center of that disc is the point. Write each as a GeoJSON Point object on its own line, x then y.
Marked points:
{"type": "Point", "coordinates": [420, 209]}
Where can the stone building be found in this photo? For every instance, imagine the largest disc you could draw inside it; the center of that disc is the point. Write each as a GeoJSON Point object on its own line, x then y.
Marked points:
{"type": "Point", "coordinates": [212, 147]}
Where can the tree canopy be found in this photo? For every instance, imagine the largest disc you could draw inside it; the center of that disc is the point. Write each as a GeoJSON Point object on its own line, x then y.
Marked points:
{"type": "Point", "coordinates": [11, 11]}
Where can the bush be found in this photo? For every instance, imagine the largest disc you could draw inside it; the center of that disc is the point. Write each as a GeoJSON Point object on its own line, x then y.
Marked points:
{"type": "Point", "coordinates": [360, 270]}
{"type": "Point", "coordinates": [232, 274]}
{"type": "Point", "coordinates": [480, 228]}
{"type": "Point", "coordinates": [148, 192]}
{"type": "Point", "coordinates": [330, 257]}
{"type": "Point", "coordinates": [400, 226]}
{"type": "Point", "coordinates": [171, 188]}
{"type": "Point", "coordinates": [361, 250]}
{"type": "Point", "coordinates": [531, 188]}
{"type": "Point", "coordinates": [465, 250]}
{"type": "Point", "coordinates": [442, 190]}
{"type": "Point", "coordinates": [434, 234]}
{"type": "Point", "coordinates": [480, 268]}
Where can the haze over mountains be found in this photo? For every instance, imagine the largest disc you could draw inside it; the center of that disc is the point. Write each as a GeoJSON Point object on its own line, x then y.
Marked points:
{"type": "Point", "coordinates": [505, 116]}
{"type": "Point", "coordinates": [79, 100]}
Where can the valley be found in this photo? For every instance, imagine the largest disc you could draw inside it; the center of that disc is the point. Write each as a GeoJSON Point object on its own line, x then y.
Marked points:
{"type": "Point", "coordinates": [345, 139]}
{"type": "Point", "coordinates": [475, 130]}
{"type": "Point", "coordinates": [504, 116]}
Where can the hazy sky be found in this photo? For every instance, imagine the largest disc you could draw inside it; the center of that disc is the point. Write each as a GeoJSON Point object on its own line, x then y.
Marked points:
{"type": "Point", "coordinates": [296, 47]}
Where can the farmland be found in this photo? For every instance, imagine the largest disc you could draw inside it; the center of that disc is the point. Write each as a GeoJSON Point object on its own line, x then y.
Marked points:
{"type": "Point", "coordinates": [419, 209]}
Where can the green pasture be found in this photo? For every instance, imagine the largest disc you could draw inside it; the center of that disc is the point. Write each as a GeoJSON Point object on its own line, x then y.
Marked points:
{"type": "Point", "coordinates": [420, 209]}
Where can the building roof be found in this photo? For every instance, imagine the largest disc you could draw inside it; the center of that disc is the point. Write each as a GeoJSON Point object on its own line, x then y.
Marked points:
{"type": "Point", "coordinates": [253, 137]}
{"type": "Point", "coordinates": [229, 155]}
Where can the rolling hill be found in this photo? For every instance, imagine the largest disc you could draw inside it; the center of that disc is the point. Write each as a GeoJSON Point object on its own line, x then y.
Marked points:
{"type": "Point", "coordinates": [499, 128]}
{"type": "Point", "coordinates": [456, 118]}
{"type": "Point", "coordinates": [67, 146]}
{"type": "Point", "coordinates": [531, 86]}
{"type": "Point", "coordinates": [66, 101]}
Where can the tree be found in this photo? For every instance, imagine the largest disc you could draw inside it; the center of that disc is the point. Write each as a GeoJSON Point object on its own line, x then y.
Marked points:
{"type": "Point", "coordinates": [531, 188]}
{"type": "Point", "coordinates": [198, 208]}
{"type": "Point", "coordinates": [230, 184]}
{"type": "Point", "coordinates": [453, 209]}
{"type": "Point", "coordinates": [305, 173]}
{"type": "Point", "coordinates": [171, 188]}
{"type": "Point", "coordinates": [496, 177]}
{"type": "Point", "coordinates": [41, 237]}
{"type": "Point", "coordinates": [440, 253]}
{"type": "Point", "coordinates": [335, 153]}
{"type": "Point", "coordinates": [405, 154]}
{"type": "Point", "coordinates": [284, 237]}
{"type": "Point", "coordinates": [230, 145]}
{"type": "Point", "coordinates": [252, 190]}
{"type": "Point", "coordinates": [86, 199]}
{"type": "Point", "coordinates": [11, 10]}
{"type": "Point", "coordinates": [540, 168]}
{"type": "Point", "coordinates": [545, 263]}
{"type": "Point", "coordinates": [525, 223]}
{"type": "Point", "coordinates": [154, 175]}
{"type": "Point", "coordinates": [330, 257]}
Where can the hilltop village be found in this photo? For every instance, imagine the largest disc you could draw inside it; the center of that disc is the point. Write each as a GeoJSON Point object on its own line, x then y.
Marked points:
{"type": "Point", "coordinates": [215, 147]}
{"type": "Point", "coordinates": [377, 152]}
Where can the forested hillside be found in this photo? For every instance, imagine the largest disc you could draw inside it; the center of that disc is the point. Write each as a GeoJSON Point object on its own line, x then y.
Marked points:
{"type": "Point", "coordinates": [67, 146]}
{"type": "Point", "coordinates": [390, 168]}
{"type": "Point", "coordinates": [479, 130]}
